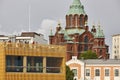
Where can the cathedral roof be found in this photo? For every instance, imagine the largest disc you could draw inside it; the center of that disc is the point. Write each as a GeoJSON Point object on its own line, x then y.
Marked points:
{"type": "Point", "coordinates": [76, 8]}
{"type": "Point", "coordinates": [72, 31]}
{"type": "Point", "coordinates": [99, 33]}
{"type": "Point", "coordinates": [68, 32]}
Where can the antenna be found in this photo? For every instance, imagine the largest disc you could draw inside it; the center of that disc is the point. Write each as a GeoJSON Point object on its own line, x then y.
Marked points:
{"type": "Point", "coordinates": [29, 15]}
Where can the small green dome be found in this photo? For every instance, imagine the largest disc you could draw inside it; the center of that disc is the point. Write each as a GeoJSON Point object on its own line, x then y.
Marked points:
{"type": "Point", "coordinates": [76, 8]}
{"type": "Point", "coordinates": [99, 33]}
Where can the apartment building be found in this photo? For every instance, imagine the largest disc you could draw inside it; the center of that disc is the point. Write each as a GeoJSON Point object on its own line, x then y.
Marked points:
{"type": "Point", "coordinates": [20, 61]}
{"type": "Point", "coordinates": [116, 46]}
{"type": "Point", "coordinates": [25, 37]}
{"type": "Point", "coordinates": [95, 69]}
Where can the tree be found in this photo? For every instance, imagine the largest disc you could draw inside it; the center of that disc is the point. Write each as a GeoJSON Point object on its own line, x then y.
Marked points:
{"type": "Point", "coordinates": [88, 55]}
{"type": "Point", "coordinates": [69, 74]}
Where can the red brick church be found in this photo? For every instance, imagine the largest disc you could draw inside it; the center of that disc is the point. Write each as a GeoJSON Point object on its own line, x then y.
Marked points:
{"type": "Point", "coordinates": [77, 36]}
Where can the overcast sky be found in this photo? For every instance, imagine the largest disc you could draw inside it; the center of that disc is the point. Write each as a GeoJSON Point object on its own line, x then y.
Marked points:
{"type": "Point", "coordinates": [46, 13]}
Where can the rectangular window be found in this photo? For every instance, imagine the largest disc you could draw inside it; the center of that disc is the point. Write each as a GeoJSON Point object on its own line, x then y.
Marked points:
{"type": "Point", "coordinates": [74, 71]}
{"type": "Point", "coordinates": [53, 65]}
{"type": "Point", "coordinates": [97, 72]}
{"type": "Point", "coordinates": [87, 72]}
{"type": "Point", "coordinates": [14, 64]}
{"type": "Point", "coordinates": [106, 72]}
{"type": "Point", "coordinates": [34, 64]}
{"type": "Point", "coordinates": [116, 72]}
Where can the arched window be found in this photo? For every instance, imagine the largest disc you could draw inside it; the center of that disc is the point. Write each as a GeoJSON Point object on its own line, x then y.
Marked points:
{"type": "Point", "coordinates": [85, 47]}
{"type": "Point", "coordinates": [100, 52]}
{"type": "Point", "coordinates": [76, 22]}
{"type": "Point", "coordinates": [86, 39]}
{"type": "Point", "coordinates": [98, 43]}
{"type": "Point", "coordinates": [81, 21]}
{"type": "Point", "coordinates": [71, 21]}
{"type": "Point", "coordinates": [102, 43]}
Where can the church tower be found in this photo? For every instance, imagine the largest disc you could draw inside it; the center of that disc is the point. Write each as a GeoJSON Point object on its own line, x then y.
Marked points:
{"type": "Point", "coordinates": [76, 16]}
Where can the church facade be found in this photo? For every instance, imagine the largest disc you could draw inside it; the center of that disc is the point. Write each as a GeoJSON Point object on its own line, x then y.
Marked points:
{"type": "Point", "coordinates": [76, 36]}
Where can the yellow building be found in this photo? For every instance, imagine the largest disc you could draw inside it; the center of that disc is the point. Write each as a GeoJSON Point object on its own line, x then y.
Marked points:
{"type": "Point", "coordinates": [32, 62]}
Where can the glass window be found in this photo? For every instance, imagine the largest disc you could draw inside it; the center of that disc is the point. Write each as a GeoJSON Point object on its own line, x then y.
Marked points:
{"type": "Point", "coordinates": [100, 52]}
{"type": "Point", "coordinates": [81, 21]}
{"type": "Point", "coordinates": [106, 72]}
{"type": "Point", "coordinates": [74, 71]}
{"type": "Point", "coordinates": [116, 72]}
{"type": "Point", "coordinates": [71, 21]}
{"type": "Point", "coordinates": [14, 64]}
{"type": "Point", "coordinates": [76, 22]}
{"type": "Point", "coordinates": [85, 47]}
{"type": "Point", "coordinates": [97, 72]}
{"type": "Point", "coordinates": [34, 64]}
{"type": "Point", "coordinates": [87, 72]}
{"type": "Point", "coordinates": [53, 65]}
{"type": "Point", "coordinates": [86, 39]}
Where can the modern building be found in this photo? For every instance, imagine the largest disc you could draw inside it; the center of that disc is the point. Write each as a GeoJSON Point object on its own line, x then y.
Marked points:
{"type": "Point", "coordinates": [116, 46]}
{"type": "Point", "coordinates": [25, 37]}
{"type": "Point", "coordinates": [95, 69]}
{"type": "Point", "coordinates": [20, 61]}
{"type": "Point", "coordinates": [77, 36]}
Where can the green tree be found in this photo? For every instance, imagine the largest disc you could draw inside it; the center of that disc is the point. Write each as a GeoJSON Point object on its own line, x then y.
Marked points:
{"type": "Point", "coordinates": [88, 55]}
{"type": "Point", "coordinates": [69, 74]}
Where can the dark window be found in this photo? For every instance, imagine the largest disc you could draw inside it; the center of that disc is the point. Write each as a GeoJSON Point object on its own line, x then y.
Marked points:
{"type": "Point", "coordinates": [86, 39]}
{"type": "Point", "coordinates": [116, 72]}
{"type": "Point", "coordinates": [85, 47]}
{"type": "Point", "coordinates": [81, 21]}
{"type": "Point", "coordinates": [71, 21]}
{"type": "Point", "coordinates": [34, 64]}
{"type": "Point", "coordinates": [87, 72]}
{"type": "Point", "coordinates": [100, 52]}
{"type": "Point", "coordinates": [97, 72]}
{"type": "Point", "coordinates": [14, 64]}
{"type": "Point", "coordinates": [107, 72]}
{"type": "Point", "coordinates": [53, 65]}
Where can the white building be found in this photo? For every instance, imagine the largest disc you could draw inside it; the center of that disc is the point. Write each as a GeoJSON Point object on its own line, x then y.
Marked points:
{"type": "Point", "coordinates": [95, 69]}
{"type": "Point", "coordinates": [25, 37]}
{"type": "Point", "coordinates": [116, 46]}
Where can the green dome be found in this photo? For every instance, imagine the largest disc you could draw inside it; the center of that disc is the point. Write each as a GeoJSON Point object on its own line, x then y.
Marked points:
{"type": "Point", "coordinates": [76, 8]}
{"type": "Point", "coordinates": [99, 33]}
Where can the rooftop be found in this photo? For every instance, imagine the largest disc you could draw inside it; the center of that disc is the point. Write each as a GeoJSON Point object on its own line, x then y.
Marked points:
{"type": "Point", "coordinates": [102, 61]}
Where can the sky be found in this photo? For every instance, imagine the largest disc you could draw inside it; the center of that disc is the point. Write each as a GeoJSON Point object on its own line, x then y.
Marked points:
{"type": "Point", "coordinates": [45, 14]}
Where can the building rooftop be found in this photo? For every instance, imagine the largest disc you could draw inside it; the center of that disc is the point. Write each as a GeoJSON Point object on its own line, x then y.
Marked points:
{"type": "Point", "coordinates": [102, 61]}
{"type": "Point", "coordinates": [115, 35]}
{"type": "Point", "coordinates": [29, 34]}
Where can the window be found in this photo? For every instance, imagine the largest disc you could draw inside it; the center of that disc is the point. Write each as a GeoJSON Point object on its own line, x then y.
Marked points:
{"type": "Point", "coordinates": [76, 22]}
{"type": "Point", "coordinates": [53, 65]}
{"type": "Point", "coordinates": [116, 57]}
{"type": "Point", "coordinates": [97, 72]}
{"type": "Point", "coordinates": [81, 21]}
{"type": "Point", "coordinates": [14, 64]}
{"type": "Point", "coordinates": [86, 39]}
{"type": "Point", "coordinates": [85, 47]}
{"type": "Point", "coordinates": [87, 72]}
{"type": "Point", "coordinates": [100, 52]}
{"type": "Point", "coordinates": [34, 64]}
{"type": "Point", "coordinates": [106, 72]}
{"type": "Point", "coordinates": [74, 71]}
{"type": "Point", "coordinates": [71, 21]}
{"type": "Point", "coordinates": [116, 72]}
